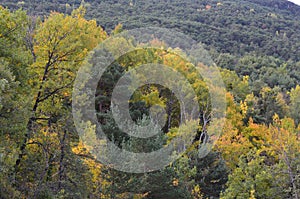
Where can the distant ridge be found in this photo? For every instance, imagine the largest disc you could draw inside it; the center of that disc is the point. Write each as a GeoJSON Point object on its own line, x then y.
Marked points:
{"type": "Point", "coordinates": [266, 27]}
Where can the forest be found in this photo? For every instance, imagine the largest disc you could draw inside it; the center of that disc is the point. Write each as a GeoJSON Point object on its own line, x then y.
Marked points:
{"type": "Point", "coordinates": [253, 44]}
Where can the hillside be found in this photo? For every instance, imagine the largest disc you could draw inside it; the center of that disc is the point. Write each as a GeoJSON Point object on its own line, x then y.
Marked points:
{"type": "Point", "coordinates": [269, 27]}
{"type": "Point", "coordinates": [168, 132]}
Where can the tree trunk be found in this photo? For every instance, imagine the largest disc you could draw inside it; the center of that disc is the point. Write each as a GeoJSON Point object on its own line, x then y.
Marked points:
{"type": "Point", "coordinates": [61, 160]}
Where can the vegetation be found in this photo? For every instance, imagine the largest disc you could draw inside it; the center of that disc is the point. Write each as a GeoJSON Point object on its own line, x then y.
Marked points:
{"type": "Point", "coordinates": [256, 47]}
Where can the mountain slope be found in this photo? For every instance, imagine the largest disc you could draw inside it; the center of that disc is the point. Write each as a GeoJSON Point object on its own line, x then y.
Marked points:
{"type": "Point", "coordinates": [269, 27]}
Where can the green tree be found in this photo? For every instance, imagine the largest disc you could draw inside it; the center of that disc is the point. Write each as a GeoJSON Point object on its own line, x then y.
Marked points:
{"type": "Point", "coordinates": [238, 87]}
{"type": "Point", "coordinates": [12, 118]}
{"type": "Point", "coordinates": [14, 93]}
{"type": "Point", "coordinates": [294, 107]}
{"type": "Point", "coordinates": [251, 177]}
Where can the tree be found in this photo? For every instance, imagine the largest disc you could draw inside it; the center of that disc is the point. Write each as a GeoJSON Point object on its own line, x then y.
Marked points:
{"type": "Point", "coordinates": [251, 177]}
{"type": "Point", "coordinates": [294, 107]}
{"type": "Point", "coordinates": [285, 144]}
{"type": "Point", "coordinates": [11, 111]}
{"type": "Point", "coordinates": [61, 43]}
{"type": "Point", "coordinates": [211, 173]}
{"type": "Point", "coordinates": [14, 93]}
{"type": "Point", "coordinates": [233, 143]}
{"type": "Point", "coordinates": [268, 170]}
{"type": "Point", "coordinates": [239, 88]}
{"type": "Point", "coordinates": [269, 102]}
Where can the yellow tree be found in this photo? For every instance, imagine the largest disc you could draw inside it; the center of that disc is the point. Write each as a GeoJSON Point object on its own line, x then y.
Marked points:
{"type": "Point", "coordinates": [285, 144]}
{"type": "Point", "coordinates": [233, 143]}
{"type": "Point", "coordinates": [61, 43]}
{"type": "Point", "coordinates": [270, 168]}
